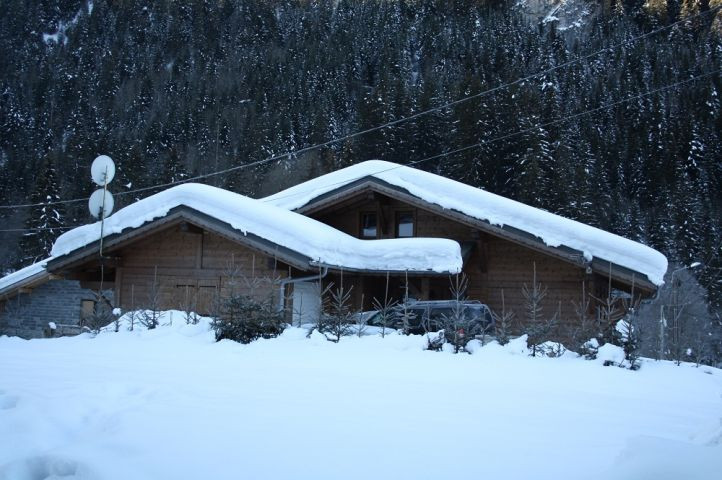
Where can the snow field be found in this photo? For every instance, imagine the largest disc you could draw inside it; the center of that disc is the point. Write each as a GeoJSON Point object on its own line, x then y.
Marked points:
{"type": "Point", "coordinates": [172, 403]}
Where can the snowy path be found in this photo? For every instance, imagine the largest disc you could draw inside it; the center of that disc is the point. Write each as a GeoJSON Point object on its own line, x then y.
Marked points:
{"type": "Point", "coordinates": [173, 404]}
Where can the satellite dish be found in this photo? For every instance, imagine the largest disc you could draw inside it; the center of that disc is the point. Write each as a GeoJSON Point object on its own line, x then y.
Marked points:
{"type": "Point", "coordinates": [101, 202]}
{"type": "Point", "coordinates": [102, 170]}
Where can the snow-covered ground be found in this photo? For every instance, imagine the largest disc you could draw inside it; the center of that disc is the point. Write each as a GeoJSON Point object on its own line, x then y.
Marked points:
{"type": "Point", "coordinates": [172, 403]}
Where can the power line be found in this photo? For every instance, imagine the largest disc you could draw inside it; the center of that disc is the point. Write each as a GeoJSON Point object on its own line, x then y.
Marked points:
{"type": "Point", "coordinates": [39, 229]}
{"type": "Point", "coordinates": [484, 142]}
{"type": "Point", "coordinates": [445, 106]}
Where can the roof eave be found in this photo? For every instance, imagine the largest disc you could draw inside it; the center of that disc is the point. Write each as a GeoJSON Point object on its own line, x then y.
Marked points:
{"type": "Point", "coordinates": [366, 271]}
{"type": "Point", "coordinates": [28, 282]}
{"type": "Point", "coordinates": [177, 215]}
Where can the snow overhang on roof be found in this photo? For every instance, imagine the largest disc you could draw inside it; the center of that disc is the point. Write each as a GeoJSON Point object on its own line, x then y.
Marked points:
{"type": "Point", "coordinates": [318, 242]}
{"type": "Point", "coordinates": [552, 230]}
{"type": "Point", "coordinates": [24, 277]}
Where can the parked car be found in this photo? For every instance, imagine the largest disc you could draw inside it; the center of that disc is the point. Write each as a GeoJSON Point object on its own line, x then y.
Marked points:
{"type": "Point", "coordinates": [433, 315]}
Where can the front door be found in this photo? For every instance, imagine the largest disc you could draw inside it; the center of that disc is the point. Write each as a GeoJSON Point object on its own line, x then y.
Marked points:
{"type": "Point", "coordinates": [306, 302]}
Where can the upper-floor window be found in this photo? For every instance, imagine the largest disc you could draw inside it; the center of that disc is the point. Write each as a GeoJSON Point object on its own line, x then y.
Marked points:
{"type": "Point", "coordinates": [369, 225]}
{"type": "Point", "coordinates": [404, 224]}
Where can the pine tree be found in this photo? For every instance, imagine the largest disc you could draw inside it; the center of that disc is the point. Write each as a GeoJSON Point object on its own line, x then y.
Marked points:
{"type": "Point", "coordinates": [45, 222]}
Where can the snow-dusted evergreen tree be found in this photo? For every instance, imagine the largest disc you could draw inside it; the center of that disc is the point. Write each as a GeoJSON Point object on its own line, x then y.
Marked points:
{"type": "Point", "coordinates": [537, 325]}
{"type": "Point", "coordinates": [574, 167]}
{"type": "Point", "coordinates": [503, 322]}
{"type": "Point", "coordinates": [532, 172]}
{"type": "Point", "coordinates": [174, 169]}
{"type": "Point", "coordinates": [46, 218]}
{"type": "Point", "coordinates": [405, 318]}
{"type": "Point", "coordinates": [385, 308]}
{"type": "Point", "coordinates": [337, 316]}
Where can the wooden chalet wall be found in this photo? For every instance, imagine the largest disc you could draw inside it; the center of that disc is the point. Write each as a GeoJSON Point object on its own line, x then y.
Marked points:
{"type": "Point", "coordinates": [494, 265]}
{"type": "Point", "coordinates": [189, 264]}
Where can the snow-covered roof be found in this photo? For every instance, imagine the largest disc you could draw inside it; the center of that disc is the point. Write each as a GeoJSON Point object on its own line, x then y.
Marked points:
{"type": "Point", "coordinates": [315, 240]}
{"type": "Point", "coordinates": [23, 275]}
{"type": "Point", "coordinates": [553, 230]}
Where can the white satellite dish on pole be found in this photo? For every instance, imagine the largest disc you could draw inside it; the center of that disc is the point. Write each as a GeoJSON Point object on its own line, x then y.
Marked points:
{"type": "Point", "coordinates": [101, 203]}
{"type": "Point", "coordinates": [102, 171]}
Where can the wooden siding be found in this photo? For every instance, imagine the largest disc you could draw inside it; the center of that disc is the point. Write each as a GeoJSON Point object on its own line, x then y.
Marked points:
{"type": "Point", "coordinates": [495, 264]}
{"type": "Point", "coordinates": [188, 264]}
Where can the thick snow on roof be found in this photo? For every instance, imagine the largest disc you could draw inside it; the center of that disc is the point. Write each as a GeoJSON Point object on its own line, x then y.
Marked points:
{"type": "Point", "coordinates": [552, 229]}
{"type": "Point", "coordinates": [23, 274]}
{"type": "Point", "coordinates": [315, 240]}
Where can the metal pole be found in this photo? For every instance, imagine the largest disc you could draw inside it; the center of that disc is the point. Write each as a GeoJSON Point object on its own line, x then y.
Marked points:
{"type": "Point", "coordinates": [102, 212]}
{"type": "Point", "coordinates": [102, 228]}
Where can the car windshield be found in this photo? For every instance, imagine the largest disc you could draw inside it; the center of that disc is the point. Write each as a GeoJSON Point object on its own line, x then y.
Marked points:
{"type": "Point", "coordinates": [473, 312]}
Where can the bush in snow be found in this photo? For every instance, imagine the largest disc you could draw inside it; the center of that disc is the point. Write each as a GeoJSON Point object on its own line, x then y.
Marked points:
{"type": "Point", "coordinates": [101, 315]}
{"type": "Point", "coordinates": [611, 355]}
{"type": "Point", "coordinates": [435, 341]}
{"type": "Point", "coordinates": [245, 311]}
{"type": "Point", "coordinates": [589, 349]}
{"type": "Point", "coordinates": [550, 349]}
{"type": "Point", "coordinates": [243, 318]}
{"type": "Point", "coordinates": [629, 339]}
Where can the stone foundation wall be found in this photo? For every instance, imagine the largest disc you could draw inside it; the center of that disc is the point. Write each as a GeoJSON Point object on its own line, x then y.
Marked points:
{"type": "Point", "coordinates": [59, 301]}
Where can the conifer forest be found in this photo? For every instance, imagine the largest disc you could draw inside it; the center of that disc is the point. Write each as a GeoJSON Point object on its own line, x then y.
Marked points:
{"type": "Point", "coordinates": [610, 115]}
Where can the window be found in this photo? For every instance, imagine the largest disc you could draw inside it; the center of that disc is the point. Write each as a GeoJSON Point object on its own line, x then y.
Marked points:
{"type": "Point", "coordinates": [87, 308]}
{"type": "Point", "coordinates": [369, 225]}
{"type": "Point", "coordinates": [404, 224]}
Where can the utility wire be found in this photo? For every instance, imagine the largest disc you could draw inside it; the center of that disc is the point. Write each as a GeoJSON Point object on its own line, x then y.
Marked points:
{"type": "Point", "coordinates": [445, 106]}
{"type": "Point", "coordinates": [484, 142]}
{"type": "Point", "coordinates": [39, 229]}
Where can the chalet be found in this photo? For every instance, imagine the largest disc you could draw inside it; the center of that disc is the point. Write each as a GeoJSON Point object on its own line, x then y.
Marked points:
{"type": "Point", "coordinates": [360, 225]}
